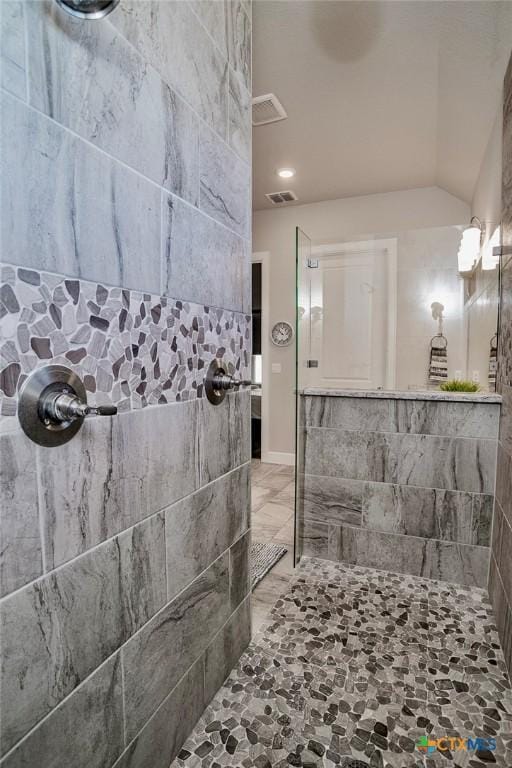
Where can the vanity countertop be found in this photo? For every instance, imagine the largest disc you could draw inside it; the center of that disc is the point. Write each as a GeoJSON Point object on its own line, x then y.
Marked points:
{"type": "Point", "coordinates": [385, 394]}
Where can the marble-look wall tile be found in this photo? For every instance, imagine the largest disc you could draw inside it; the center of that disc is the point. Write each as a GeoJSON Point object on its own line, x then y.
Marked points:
{"type": "Point", "coordinates": [504, 482]}
{"type": "Point", "coordinates": [429, 513]}
{"type": "Point", "coordinates": [97, 485]}
{"type": "Point", "coordinates": [89, 79]}
{"type": "Point", "coordinates": [224, 435]}
{"type": "Point", "coordinates": [352, 455]}
{"type": "Point", "coordinates": [430, 558]}
{"type": "Point", "coordinates": [226, 648]}
{"type": "Point", "coordinates": [90, 216]}
{"type": "Point", "coordinates": [131, 349]}
{"type": "Point", "coordinates": [239, 41]}
{"type": "Point", "coordinates": [449, 419]}
{"type": "Point", "coordinates": [445, 462]}
{"type": "Point", "coordinates": [225, 184]}
{"type": "Point", "coordinates": [85, 731]}
{"type": "Point", "coordinates": [142, 563]}
{"type": "Point", "coordinates": [351, 413]}
{"type": "Point", "coordinates": [12, 48]}
{"type": "Point", "coordinates": [166, 33]}
{"type": "Point", "coordinates": [156, 657]}
{"type": "Point", "coordinates": [482, 519]}
{"type": "Point", "coordinates": [408, 416]}
{"type": "Point", "coordinates": [55, 632]}
{"type": "Point", "coordinates": [502, 611]}
{"type": "Point", "coordinates": [315, 539]}
{"type": "Point", "coordinates": [20, 541]}
{"type": "Point", "coordinates": [202, 261]}
{"type": "Point", "coordinates": [163, 735]}
{"type": "Point", "coordinates": [503, 555]}
{"type": "Point", "coordinates": [506, 418]}
{"type": "Point", "coordinates": [333, 499]}
{"type": "Point", "coordinates": [239, 570]}
{"type": "Point", "coordinates": [240, 125]}
{"type": "Point", "coordinates": [202, 526]}
{"type": "Point", "coordinates": [213, 15]}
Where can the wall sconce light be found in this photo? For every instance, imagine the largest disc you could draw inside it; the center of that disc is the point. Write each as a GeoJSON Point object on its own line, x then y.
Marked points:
{"type": "Point", "coordinates": [470, 244]}
{"type": "Point", "coordinates": [489, 259]}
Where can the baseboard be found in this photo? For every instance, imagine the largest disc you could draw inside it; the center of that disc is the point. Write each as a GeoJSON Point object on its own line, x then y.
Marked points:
{"type": "Point", "coordinates": [276, 457]}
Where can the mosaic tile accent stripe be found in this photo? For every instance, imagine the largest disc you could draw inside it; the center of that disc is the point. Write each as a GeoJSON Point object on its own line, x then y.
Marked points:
{"type": "Point", "coordinates": [131, 349]}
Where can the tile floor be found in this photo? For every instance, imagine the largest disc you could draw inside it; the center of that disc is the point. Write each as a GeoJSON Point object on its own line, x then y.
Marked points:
{"type": "Point", "coordinates": [357, 664]}
{"type": "Point", "coordinates": [273, 491]}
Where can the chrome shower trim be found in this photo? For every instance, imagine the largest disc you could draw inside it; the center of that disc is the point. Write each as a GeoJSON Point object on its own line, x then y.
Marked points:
{"type": "Point", "coordinates": [88, 9]}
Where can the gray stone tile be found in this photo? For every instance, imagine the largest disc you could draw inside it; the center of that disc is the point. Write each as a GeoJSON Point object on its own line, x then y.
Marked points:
{"type": "Point", "coordinates": [142, 562]}
{"type": "Point", "coordinates": [112, 112]}
{"type": "Point", "coordinates": [239, 41]}
{"type": "Point", "coordinates": [91, 217]}
{"type": "Point", "coordinates": [443, 462]}
{"type": "Point", "coordinates": [239, 567]}
{"type": "Point", "coordinates": [352, 455]}
{"type": "Point", "coordinates": [86, 730]}
{"type": "Point", "coordinates": [426, 512]}
{"type": "Point", "coordinates": [482, 519]}
{"type": "Point", "coordinates": [97, 485]}
{"type": "Point", "coordinates": [502, 611]}
{"type": "Point", "coordinates": [201, 260]}
{"type": "Point", "coordinates": [351, 413]}
{"type": "Point", "coordinates": [156, 657]}
{"type": "Point", "coordinates": [504, 481]}
{"type": "Point", "coordinates": [200, 527]}
{"type": "Point", "coordinates": [450, 419]}
{"type": "Point", "coordinates": [240, 123]}
{"type": "Point", "coordinates": [213, 15]}
{"type": "Point", "coordinates": [226, 648]}
{"type": "Point", "coordinates": [333, 499]}
{"type": "Point", "coordinates": [162, 736]}
{"type": "Point", "coordinates": [315, 539]}
{"type": "Point", "coordinates": [504, 558]}
{"type": "Point", "coordinates": [69, 622]}
{"type": "Point", "coordinates": [428, 558]}
{"type": "Point", "coordinates": [224, 435]}
{"type": "Point", "coordinates": [165, 33]}
{"type": "Point", "coordinates": [225, 187]}
{"type": "Point", "coordinates": [20, 541]}
{"type": "Point", "coordinates": [12, 48]}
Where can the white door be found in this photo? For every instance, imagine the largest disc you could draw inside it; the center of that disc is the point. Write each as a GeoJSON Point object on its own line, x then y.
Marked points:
{"type": "Point", "coordinates": [351, 313]}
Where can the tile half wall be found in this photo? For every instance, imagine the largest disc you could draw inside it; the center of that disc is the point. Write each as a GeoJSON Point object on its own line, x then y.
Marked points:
{"type": "Point", "coordinates": [403, 485]}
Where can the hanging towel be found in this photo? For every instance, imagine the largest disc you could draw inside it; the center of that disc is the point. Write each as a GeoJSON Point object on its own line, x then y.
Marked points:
{"type": "Point", "coordinates": [493, 363]}
{"type": "Point", "coordinates": [438, 365]}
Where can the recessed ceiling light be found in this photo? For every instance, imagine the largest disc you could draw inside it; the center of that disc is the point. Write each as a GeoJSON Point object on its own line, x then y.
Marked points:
{"type": "Point", "coordinates": [286, 173]}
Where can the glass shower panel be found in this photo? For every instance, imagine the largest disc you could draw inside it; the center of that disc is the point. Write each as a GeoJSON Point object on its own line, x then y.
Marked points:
{"type": "Point", "coordinates": [302, 361]}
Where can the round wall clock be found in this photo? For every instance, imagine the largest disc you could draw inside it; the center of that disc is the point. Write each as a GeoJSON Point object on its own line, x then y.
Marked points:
{"type": "Point", "coordinates": [282, 334]}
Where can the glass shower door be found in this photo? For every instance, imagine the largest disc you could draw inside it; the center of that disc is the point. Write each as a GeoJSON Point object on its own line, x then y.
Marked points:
{"type": "Point", "coordinates": [302, 360]}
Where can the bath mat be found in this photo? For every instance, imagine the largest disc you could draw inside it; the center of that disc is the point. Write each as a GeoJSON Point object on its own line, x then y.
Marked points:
{"type": "Point", "coordinates": [263, 558]}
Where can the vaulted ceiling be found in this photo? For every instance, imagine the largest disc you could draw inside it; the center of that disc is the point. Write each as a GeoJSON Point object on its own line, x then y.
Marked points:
{"type": "Point", "coordinates": [380, 96]}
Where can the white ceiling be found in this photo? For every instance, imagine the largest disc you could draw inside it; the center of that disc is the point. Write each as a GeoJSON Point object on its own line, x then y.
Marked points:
{"type": "Point", "coordinates": [380, 96]}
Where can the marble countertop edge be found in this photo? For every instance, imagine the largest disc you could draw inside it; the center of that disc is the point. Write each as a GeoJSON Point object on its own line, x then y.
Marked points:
{"type": "Point", "coordinates": [383, 394]}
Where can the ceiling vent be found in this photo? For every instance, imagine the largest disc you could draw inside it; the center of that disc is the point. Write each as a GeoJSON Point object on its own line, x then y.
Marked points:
{"type": "Point", "coordinates": [267, 109]}
{"type": "Point", "coordinates": [278, 198]}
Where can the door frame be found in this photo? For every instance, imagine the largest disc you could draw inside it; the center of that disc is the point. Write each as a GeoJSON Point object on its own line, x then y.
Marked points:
{"type": "Point", "coordinates": [390, 245]}
{"type": "Point", "coordinates": [263, 258]}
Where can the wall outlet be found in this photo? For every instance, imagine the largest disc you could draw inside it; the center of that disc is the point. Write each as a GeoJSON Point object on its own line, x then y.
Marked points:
{"type": "Point", "coordinates": [276, 367]}
{"type": "Point", "coordinates": [458, 375]}
{"type": "Point", "coordinates": [476, 376]}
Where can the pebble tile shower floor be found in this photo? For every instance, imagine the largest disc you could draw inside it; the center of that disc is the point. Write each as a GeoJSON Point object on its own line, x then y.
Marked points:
{"type": "Point", "coordinates": [355, 664]}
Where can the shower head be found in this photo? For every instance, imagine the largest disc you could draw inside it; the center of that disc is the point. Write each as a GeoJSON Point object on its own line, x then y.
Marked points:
{"type": "Point", "coordinates": [88, 9]}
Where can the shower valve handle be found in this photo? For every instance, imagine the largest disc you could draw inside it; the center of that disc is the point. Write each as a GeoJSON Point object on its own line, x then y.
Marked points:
{"type": "Point", "coordinates": [65, 406]}
{"type": "Point", "coordinates": [225, 381]}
